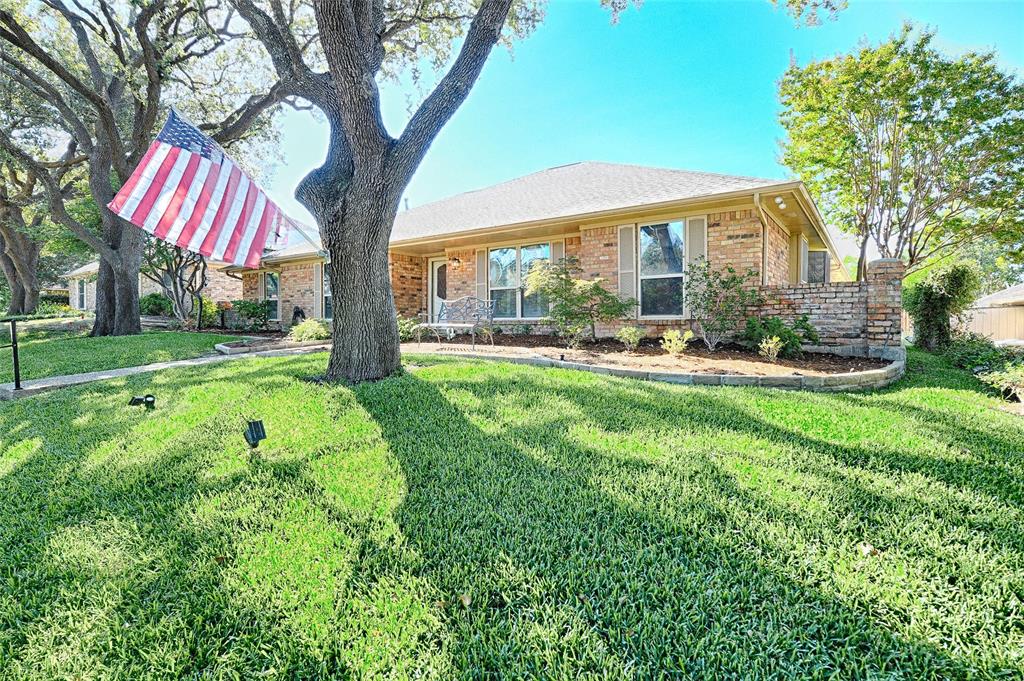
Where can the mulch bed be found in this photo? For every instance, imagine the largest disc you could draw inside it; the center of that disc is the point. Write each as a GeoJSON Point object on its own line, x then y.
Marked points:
{"type": "Point", "coordinates": [728, 359]}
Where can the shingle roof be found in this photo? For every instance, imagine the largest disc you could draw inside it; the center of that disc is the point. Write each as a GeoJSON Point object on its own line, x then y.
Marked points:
{"type": "Point", "coordinates": [1013, 295]}
{"type": "Point", "coordinates": [564, 191]}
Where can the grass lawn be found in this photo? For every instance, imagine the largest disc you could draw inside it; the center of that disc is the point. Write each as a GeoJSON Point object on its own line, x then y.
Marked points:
{"type": "Point", "coordinates": [483, 520]}
{"type": "Point", "coordinates": [54, 348]}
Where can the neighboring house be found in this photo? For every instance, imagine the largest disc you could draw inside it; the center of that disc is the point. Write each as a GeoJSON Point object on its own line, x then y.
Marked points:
{"type": "Point", "coordinates": [1000, 315]}
{"type": "Point", "coordinates": [636, 227]}
{"type": "Point", "coordinates": [220, 287]}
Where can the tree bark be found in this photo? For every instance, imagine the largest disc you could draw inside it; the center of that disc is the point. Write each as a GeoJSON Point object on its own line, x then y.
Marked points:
{"type": "Point", "coordinates": [365, 327]}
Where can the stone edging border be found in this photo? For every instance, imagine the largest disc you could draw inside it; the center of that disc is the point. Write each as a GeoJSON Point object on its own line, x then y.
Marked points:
{"type": "Point", "coordinates": [225, 349]}
{"type": "Point", "coordinates": [854, 380]}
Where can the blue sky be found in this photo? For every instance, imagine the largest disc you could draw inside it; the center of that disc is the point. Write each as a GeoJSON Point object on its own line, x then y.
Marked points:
{"type": "Point", "coordinates": [676, 83]}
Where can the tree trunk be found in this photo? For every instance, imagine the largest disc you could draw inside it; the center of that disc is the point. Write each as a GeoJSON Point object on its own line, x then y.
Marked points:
{"type": "Point", "coordinates": [126, 302]}
{"type": "Point", "coordinates": [104, 306]}
{"type": "Point", "coordinates": [365, 335]}
{"type": "Point", "coordinates": [862, 259]}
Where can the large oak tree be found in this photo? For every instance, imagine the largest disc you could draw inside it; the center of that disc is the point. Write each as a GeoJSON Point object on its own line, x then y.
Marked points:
{"type": "Point", "coordinates": [354, 195]}
{"type": "Point", "coordinates": [105, 71]}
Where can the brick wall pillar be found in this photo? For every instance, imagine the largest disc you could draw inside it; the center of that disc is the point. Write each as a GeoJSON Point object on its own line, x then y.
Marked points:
{"type": "Point", "coordinates": [884, 308]}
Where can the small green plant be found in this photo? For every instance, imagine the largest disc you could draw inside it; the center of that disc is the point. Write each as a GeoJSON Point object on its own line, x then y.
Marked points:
{"type": "Point", "coordinates": [977, 353]}
{"type": "Point", "coordinates": [1009, 381]}
{"type": "Point", "coordinates": [769, 348]}
{"type": "Point", "coordinates": [674, 342]}
{"type": "Point", "coordinates": [803, 326]}
{"type": "Point", "coordinates": [630, 336]}
{"type": "Point", "coordinates": [792, 336]}
{"type": "Point", "coordinates": [718, 299]}
{"type": "Point", "coordinates": [577, 304]}
{"type": "Point", "coordinates": [310, 330]}
{"type": "Point", "coordinates": [211, 315]}
{"type": "Point", "coordinates": [522, 330]}
{"type": "Point", "coordinates": [252, 313]}
{"type": "Point", "coordinates": [156, 304]}
{"type": "Point", "coordinates": [405, 328]}
{"type": "Point", "coordinates": [573, 335]}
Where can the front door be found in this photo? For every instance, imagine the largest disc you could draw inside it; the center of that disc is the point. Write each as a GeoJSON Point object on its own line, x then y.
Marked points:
{"type": "Point", "coordinates": [438, 285]}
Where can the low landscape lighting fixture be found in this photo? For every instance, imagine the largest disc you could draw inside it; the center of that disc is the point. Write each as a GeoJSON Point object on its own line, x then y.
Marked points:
{"type": "Point", "coordinates": [148, 401]}
{"type": "Point", "coordinates": [254, 432]}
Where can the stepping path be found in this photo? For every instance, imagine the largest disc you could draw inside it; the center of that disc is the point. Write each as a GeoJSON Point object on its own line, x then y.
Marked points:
{"type": "Point", "coordinates": [36, 386]}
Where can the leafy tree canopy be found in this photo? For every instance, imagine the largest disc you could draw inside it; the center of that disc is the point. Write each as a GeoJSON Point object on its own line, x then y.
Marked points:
{"type": "Point", "coordinates": [914, 150]}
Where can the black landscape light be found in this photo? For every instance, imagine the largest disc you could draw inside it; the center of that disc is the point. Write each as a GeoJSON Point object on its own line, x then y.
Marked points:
{"type": "Point", "coordinates": [149, 401]}
{"type": "Point", "coordinates": [254, 432]}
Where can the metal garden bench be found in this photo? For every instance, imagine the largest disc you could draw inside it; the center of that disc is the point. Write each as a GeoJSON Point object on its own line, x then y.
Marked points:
{"type": "Point", "coordinates": [462, 314]}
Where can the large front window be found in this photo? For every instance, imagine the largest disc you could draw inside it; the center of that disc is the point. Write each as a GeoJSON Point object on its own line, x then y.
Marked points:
{"type": "Point", "coordinates": [271, 292]}
{"type": "Point", "coordinates": [662, 264]}
{"type": "Point", "coordinates": [506, 273]}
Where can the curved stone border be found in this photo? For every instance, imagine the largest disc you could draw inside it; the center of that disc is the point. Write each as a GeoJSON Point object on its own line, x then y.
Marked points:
{"type": "Point", "coordinates": [854, 380]}
{"type": "Point", "coordinates": [226, 349]}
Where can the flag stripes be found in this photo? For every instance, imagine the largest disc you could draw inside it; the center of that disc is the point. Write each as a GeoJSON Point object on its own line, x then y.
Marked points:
{"type": "Point", "coordinates": [187, 192]}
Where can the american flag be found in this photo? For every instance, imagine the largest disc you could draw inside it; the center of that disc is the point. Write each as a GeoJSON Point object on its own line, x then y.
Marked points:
{"type": "Point", "coordinates": [187, 192]}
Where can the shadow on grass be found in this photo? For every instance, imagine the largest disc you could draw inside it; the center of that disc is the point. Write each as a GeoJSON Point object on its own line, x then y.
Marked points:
{"type": "Point", "coordinates": [581, 562]}
{"type": "Point", "coordinates": [585, 537]}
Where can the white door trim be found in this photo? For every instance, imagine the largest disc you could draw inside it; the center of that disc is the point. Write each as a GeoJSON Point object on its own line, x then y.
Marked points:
{"type": "Point", "coordinates": [431, 285]}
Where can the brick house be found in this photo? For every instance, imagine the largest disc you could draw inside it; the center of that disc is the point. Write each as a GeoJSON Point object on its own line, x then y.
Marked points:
{"type": "Point", "coordinates": [221, 285]}
{"type": "Point", "coordinates": [638, 228]}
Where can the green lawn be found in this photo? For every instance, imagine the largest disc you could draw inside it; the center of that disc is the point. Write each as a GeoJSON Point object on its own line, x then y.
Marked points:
{"type": "Point", "coordinates": [57, 348]}
{"type": "Point", "coordinates": [484, 520]}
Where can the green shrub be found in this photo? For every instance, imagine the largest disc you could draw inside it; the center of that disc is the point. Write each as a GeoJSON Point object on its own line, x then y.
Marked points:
{"type": "Point", "coordinates": [310, 330]}
{"type": "Point", "coordinates": [577, 304]}
{"type": "Point", "coordinates": [792, 336]}
{"type": "Point", "coordinates": [944, 293]}
{"type": "Point", "coordinates": [211, 315]}
{"type": "Point", "coordinates": [252, 313]}
{"type": "Point", "coordinates": [973, 351]}
{"type": "Point", "coordinates": [674, 342]}
{"type": "Point", "coordinates": [1009, 380]}
{"type": "Point", "coordinates": [630, 336]}
{"type": "Point", "coordinates": [156, 304]}
{"type": "Point", "coordinates": [55, 299]}
{"type": "Point", "coordinates": [48, 308]}
{"type": "Point", "coordinates": [719, 299]}
{"type": "Point", "coordinates": [405, 328]}
{"type": "Point", "coordinates": [769, 348]}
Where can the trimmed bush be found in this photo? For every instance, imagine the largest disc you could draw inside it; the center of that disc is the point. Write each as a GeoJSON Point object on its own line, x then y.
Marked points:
{"type": "Point", "coordinates": [719, 299]}
{"type": "Point", "coordinates": [252, 313]}
{"type": "Point", "coordinates": [630, 336]}
{"type": "Point", "coordinates": [405, 328]}
{"type": "Point", "coordinates": [1009, 380]}
{"type": "Point", "coordinates": [156, 304]}
{"type": "Point", "coordinates": [792, 336]}
{"type": "Point", "coordinates": [674, 342]}
{"type": "Point", "coordinates": [55, 299]}
{"type": "Point", "coordinates": [310, 330]}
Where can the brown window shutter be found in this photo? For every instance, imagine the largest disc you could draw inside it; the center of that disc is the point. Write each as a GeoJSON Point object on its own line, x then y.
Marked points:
{"type": "Point", "coordinates": [481, 274]}
{"type": "Point", "coordinates": [557, 251]}
{"type": "Point", "coordinates": [696, 246]}
{"type": "Point", "coordinates": [627, 262]}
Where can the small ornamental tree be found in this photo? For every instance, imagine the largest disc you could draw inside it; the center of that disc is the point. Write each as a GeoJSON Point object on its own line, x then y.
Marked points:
{"type": "Point", "coordinates": [719, 299]}
{"type": "Point", "coordinates": [577, 304]}
{"type": "Point", "coordinates": [944, 293]}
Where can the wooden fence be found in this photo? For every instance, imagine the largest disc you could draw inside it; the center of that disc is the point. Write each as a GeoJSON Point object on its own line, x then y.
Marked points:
{"type": "Point", "coordinates": [1005, 322]}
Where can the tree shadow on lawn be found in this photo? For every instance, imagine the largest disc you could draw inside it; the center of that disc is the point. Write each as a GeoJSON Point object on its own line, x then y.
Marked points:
{"type": "Point", "coordinates": [138, 549]}
{"type": "Point", "coordinates": [121, 539]}
{"type": "Point", "coordinates": [585, 559]}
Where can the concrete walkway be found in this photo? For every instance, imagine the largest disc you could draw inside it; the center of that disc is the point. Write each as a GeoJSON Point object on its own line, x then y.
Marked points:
{"type": "Point", "coordinates": [34, 387]}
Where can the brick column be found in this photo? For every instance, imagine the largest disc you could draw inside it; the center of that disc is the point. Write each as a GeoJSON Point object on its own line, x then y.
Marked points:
{"type": "Point", "coordinates": [885, 308]}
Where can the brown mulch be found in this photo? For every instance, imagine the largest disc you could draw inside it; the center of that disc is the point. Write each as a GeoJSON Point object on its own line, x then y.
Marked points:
{"type": "Point", "coordinates": [730, 359]}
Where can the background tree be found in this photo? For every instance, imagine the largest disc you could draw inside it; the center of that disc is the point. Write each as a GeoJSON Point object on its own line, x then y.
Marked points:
{"type": "Point", "coordinates": [908, 148]}
{"type": "Point", "coordinates": [354, 195]}
{"type": "Point", "coordinates": [181, 274]}
{"type": "Point", "coordinates": [104, 71]}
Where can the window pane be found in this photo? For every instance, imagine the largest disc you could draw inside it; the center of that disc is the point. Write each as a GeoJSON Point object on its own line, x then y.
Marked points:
{"type": "Point", "coordinates": [328, 311]}
{"type": "Point", "coordinates": [271, 309]}
{"type": "Point", "coordinates": [270, 286]}
{"type": "Point", "coordinates": [502, 268]}
{"type": "Point", "coordinates": [661, 249]}
{"type": "Point", "coordinates": [534, 305]}
{"type": "Point", "coordinates": [504, 302]}
{"type": "Point", "coordinates": [530, 255]}
{"type": "Point", "coordinates": [661, 296]}
{"type": "Point", "coordinates": [816, 264]}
